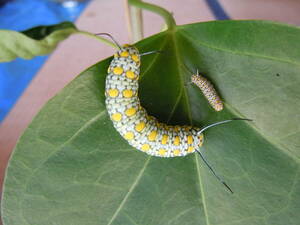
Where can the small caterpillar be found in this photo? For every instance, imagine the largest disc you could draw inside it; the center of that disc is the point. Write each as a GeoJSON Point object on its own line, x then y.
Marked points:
{"type": "Point", "coordinates": [208, 91]}
{"type": "Point", "coordinates": [142, 131]}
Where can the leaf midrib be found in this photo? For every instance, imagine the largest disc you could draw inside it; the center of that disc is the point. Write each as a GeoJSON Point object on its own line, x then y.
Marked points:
{"type": "Point", "coordinates": [154, 59]}
{"type": "Point", "coordinates": [177, 56]}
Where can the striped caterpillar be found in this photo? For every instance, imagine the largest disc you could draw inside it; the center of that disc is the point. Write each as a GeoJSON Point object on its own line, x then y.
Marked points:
{"type": "Point", "coordinates": [142, 131]}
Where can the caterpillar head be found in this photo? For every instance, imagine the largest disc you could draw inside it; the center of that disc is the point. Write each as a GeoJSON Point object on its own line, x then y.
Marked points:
{"type": "Point", "coordinates": [129, 53]}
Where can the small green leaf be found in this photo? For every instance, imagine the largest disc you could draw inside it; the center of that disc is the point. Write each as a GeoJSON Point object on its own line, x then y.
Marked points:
{"type": "Point", "coordinates": [37, 41]}
{"type": "Point", "coordinates": [71, 167]}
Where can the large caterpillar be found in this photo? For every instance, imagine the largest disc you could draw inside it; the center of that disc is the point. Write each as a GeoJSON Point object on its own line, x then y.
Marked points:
{"type": "Point", "coordinates": [131, 120]}
{"type": "Point", "coordinates": [142, 131]}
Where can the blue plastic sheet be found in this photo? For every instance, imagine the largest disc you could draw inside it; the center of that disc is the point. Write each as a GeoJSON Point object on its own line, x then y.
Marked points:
{"type": "Point", "coordinates": [21, 15]}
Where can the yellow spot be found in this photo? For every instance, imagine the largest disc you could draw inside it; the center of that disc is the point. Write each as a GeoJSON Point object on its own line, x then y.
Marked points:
{"type": "Point", "coordinates": [162, 152]}
{"type": "Point", "coordinates": [124, 54]}
{"type": "Point", "coordinates": [130, 112]}
{"type": "Point", "coordinates": [176, 141]}
{"type": "Point", "coordinates": [135, 58]}
{"type": "Point", "coordinates": [108, 70]}
{"type": "Point", "coordinates": [129, 136]}
{"type": "Point", "coordinates": [113, 93]}
{"type": "Point", "coordinates": [190, 149]}
{"type": "Point", "coordinates": [201, 140]}
{"type": "Point", "coordinates": [176, 152]}
{"type": "Point", "coordinates": [152, 135]}
{"type": "Point", "coordinates": [130, 74]}
{"type": "Point", "coordinates": [164, 139]}
{"type": "Point", "coordinates": [126, 45]}
{"type": "Point", "coordinates": [139, 127]}
{"type": "Point", "coordinates": [190, 139]}
{"type": "Point", "coordinates": [116, 116]}
{"type": "Point", "coordinates": [127, 93]}
{"type": "Point", "coordinates": [116, 55]}
{"type": "Point", "coordinates": [145, 147]}
{"type": "Point", "coordinates": [118, 70]}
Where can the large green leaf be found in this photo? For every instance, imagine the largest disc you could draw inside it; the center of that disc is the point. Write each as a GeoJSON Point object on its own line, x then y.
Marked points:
{"type": "Point", "coordinates": [37, 41]}
{"type": "Point", "coordinates": [71, 167]}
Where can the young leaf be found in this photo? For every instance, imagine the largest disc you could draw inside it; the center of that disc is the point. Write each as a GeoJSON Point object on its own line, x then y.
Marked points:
{"type": "Point", "coordinates": [37, 41]}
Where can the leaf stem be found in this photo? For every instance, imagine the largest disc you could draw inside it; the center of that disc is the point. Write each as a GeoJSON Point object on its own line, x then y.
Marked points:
{"type": "Point", "coordinates": [104, 40]}
{"type": "Point", "coordinates": [135, 23]}
{"type": "Point", "coordinates": [169, 20]}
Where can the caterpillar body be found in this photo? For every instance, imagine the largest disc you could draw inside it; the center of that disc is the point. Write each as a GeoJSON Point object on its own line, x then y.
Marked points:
{"type": "Point", "coordinates": [131, 120]}
{"type": "Point", "coordinates": [208, 91]}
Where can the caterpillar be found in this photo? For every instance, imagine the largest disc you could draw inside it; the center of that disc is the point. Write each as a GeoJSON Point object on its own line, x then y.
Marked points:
{"type": "Point", "coordinates": [208, 91]}
{"type": "Point", "coordinates": [134, 124]}
{"type": "Point", "coordinates": [131, 120]}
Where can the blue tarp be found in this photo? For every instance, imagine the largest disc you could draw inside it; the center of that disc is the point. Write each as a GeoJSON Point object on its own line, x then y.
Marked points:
{"type": "Point", "coordinates": [20, 15]}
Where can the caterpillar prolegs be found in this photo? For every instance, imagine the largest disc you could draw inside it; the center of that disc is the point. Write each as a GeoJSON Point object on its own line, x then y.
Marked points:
{"type": "Point", "coordinates": [142, 131]}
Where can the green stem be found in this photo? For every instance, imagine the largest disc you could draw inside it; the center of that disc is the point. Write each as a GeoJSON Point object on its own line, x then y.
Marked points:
{"type": "Point", "coordinates": [105, 41]}
{"type": "Point", "coordinates": [169, 20]}
{"type": "Point", "coordinates": [136, 21]}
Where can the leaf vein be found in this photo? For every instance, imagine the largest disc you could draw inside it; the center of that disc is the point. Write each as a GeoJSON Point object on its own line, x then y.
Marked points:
{"type": "Point", "coordinates": [240, 53]}
{"type": "Point", "coordinates": [153, 60]}
{"type": "Point", "coordinates": [135, 183]}
{"type": "Point", "coordinates": [52, 153]}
